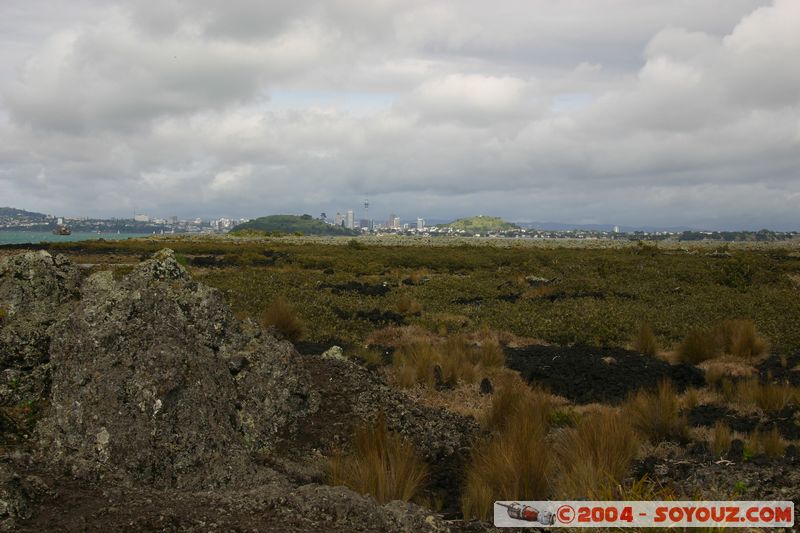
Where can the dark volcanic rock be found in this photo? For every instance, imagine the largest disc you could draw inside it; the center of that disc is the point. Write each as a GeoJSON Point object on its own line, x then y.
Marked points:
{"type": "Point", "coordinates": [142, 382]}
{"type": "Point", "coordinates": [781, 370]}
{"type": "Point", "coordinates": [36, 292]}
{"type": "Point", "coordinates": [586, 374]}
{"type": "Point", "coordinates": [708, 415]}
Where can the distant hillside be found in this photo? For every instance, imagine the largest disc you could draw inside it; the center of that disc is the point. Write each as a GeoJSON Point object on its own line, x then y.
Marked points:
{"type": "Point", "coordinates": [481, 224]}
{"type": "Point", "coordinates": [10, 212]}
{"type": "Point", "coordinates": [292, 224]}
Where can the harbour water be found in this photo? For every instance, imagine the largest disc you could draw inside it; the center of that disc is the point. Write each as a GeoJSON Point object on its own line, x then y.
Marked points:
{"type": "Point", "coordinates": [24, 237]}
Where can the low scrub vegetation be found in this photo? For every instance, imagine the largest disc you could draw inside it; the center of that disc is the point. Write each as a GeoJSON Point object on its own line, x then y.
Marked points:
{"type": "Point", "coordinates": [282, 316]}
{"type": "Point", "coordinates": [656, 414]}
{"type": "Point", "coordinates": [381, 464]}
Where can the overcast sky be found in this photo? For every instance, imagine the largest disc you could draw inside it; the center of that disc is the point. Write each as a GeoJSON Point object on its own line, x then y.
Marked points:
{"type": "Point", "coordinates": [630, 112]}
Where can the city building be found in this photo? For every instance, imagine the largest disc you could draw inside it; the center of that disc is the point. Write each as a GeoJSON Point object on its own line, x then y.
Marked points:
{"type": "Point", "coordinates": [141, 218]}
{"type": "Point", "coordinates": [394, 221]}
{"type": "Point", "coordinates": [339, 219]}
{"type": "Point", "coordinates": [420, 224]}
{"type": "Point", "coordinates": [350, 222]}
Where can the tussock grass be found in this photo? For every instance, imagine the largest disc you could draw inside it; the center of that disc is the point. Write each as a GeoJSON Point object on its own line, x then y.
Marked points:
{"type": "Point", "coordinates": [766, 396]}
{"type": "Point", "coordinates": [414, 364]}
{"type": "Point", "coordinates": [407, 305]}
{"type": "Point", "coordinates": [516, 461]}
{"type": "Point", "coordinates": [644, 340]}
{"type": "Point", "coordinates": [515, 399]}
{"type": "Point", "coordinates": [738, 338]}
{"type": "Point", "coordinates": [594, 457]}
{"type": "Point", "coordinates": [282, 316]}
{"type": "Point", "coordinates": [381, 464]}
{"type": "Point", "coordinates": [396, 336]}
{"type": "Point", "coordinates": [656, 414]}
{"type": "Point", "coordinates": [457, 359]}
{"type": "Point", "coordinates": [699, 345]}
{"type": "Point", "coordinates": [721, 438]}
{"type": "Point", "coordinates": [769, 443]}
{"type": "Point", "coordinates": [726, 366]}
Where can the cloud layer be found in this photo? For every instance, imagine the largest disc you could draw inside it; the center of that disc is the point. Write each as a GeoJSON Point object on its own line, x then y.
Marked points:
{"type": "Point", "coordinates": [637, 112]}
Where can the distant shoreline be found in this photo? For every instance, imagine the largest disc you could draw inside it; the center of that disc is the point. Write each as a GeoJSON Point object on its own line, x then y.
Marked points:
{"type": "Point", "coordinates": [35, 237]}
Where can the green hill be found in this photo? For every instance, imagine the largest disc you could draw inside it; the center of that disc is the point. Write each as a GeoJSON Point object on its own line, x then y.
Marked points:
{"type": "Point", "coordinates": [10, 212]}
{"type": "Point", "coordinates": [292, 224]}
{"type": "Point", "coordinates": [481, 224]}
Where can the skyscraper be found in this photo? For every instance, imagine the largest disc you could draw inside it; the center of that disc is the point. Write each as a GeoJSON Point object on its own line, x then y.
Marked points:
{"type": "Point", "coordinates": [420, 224]}
{"type": "Point", "coordinates": [350, 222]}
{"type": "Point", "coordinates": [339, 220]}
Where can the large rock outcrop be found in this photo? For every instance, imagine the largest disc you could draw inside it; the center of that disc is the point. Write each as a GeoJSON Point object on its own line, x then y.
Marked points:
{"type": "Point", "coordinates": [36, 292]}
{"type": "Point", "coordinates": [152, 377]}
{"type": "Point", "coordinates": [162, 412]}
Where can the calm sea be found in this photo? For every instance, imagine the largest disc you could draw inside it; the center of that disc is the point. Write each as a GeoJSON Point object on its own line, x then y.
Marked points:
{"type": "Point", "coordinates": [23, 237]}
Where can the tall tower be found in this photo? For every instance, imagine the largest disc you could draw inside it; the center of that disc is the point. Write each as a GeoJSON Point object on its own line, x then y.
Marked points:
{"type": "Point", "coordinates": [366, 214]}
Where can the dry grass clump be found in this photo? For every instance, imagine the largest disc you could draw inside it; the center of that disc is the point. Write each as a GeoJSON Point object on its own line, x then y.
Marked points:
{"type": "Point", "coordinates": [735, 337]}
{"type": "Point", "coordinates": [282, 316]}
{"type": "Point", "coordinates": [396, 336]}
{"type": "Point", "coordinates": [516, 461]}
{"type": "Point", "coordinates": [500, 337]}
{"type": "Point", "coordinates": [456, 360]}
{"type": "Point", "coordinates": [739, 338]}
{"type": "Point", "coordinates": [515, 399]}
{"type": "Point", "coordinates": [699, 345]}
{"type": "Point", "coordinates": [721, 438]}
{"type": "Point", "coordinates": [594, 457]}
{"type": "Point", "coordinates": [656, 414]}
{"type": "Point", "coordinates": [766, 396]}
{"type": "Point", "coordinates": [381, 464]}
{"type": "Point", "coordinates": [769, 443]}
{"type": "Point", "coordinates": [449, 322]}
{"type": "Point", "coordinates": [726, 366]}
{"type": "Point", "coordinates": [407, 305]}
{"type": "Point", "coordinates": [419, 276]}
{"type": "Point", "coordinates": [541, 291]}
{"type": "Point", "coordinates": [645, 340]}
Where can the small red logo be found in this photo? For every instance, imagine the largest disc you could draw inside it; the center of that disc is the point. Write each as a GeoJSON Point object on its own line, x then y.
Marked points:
{"type": "Point", "coordinates": [565, 514]}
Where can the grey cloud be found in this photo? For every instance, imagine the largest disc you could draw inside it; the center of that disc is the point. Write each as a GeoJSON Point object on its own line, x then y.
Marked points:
{"type": "Point", "coordinates": [633, 112]}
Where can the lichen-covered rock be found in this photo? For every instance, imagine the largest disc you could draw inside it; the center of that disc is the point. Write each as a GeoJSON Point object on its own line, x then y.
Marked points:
{"type": "Point", "coordinates": [37, 291]}
{"type": "Point", "coordinates": [142, 383]}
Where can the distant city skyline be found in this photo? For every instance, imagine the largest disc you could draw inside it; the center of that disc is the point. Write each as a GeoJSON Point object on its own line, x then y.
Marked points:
{"type": "Point", "coordinates": [624, 112]}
